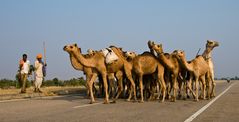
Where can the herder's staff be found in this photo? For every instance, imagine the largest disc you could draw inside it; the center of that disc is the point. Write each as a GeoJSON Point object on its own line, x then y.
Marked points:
{"type": "Point", "coordinates": [44, 67]}
{"type": "Point", "coordinates": [44, 46]}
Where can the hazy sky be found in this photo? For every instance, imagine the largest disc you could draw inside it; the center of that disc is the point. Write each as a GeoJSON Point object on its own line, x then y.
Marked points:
{"type": "Point", "coordinates": [96, 24]}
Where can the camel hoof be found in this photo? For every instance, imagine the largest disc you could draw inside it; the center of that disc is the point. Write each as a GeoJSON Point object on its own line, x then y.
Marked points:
{"type": "Point", "coordinates": [141, 101]}
{"type": "Point", "coordinates": [173, 99]}
{"type": "Point", "coordinates": [128, 100]}
{"type": "Point", "coordinates": [179, 96]}
{"type": "Point", "coordinates": [91, 102]}
{"type": "Point", "coordinates": [196, 100]}
{"type": "Point", "coordinates": [114, 101]}
{"type": "Point", "coordinates": [106, 102]}
{"type": "Point", "coordinates": [212, 96]}
{"type": "Point", "coordinates": [188, 96]}
{"type": "Point", "coordinates": [161, 101]}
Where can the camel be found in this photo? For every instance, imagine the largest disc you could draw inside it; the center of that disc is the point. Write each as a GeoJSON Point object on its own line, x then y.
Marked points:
{"type": "Point", "coordinates": [89, 72]}
{"type": "Point", "coordinates": [145, 64]}
{"type": "Point", "coordinates": [198, 68]}
{"type": "Point", "coordinates": [118, 67]}
{"type": "Point", "coordinates": [207, 55]}
{"type": "Point", "coordinates": [170, 62]}
{"type": "Point", "coordinates": [95, 62]}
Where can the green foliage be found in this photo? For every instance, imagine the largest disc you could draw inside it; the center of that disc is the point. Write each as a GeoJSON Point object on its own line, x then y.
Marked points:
{"type": "Point", "coordinates": [75, 82]}
{"type": "Point", "coordinates": [53, 82]}
{"type": "Point", "coordinates": [6, 83]}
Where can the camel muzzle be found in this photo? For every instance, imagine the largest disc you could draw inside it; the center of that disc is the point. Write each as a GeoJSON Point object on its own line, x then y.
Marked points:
{"type": "Point", "coordinates": [64, 48]}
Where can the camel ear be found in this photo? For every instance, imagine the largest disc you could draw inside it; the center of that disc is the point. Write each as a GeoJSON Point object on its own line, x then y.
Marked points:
{"type": "Point", "coordinates": [75, 45]}
{"type": "Point", "coordinates": [80, 50]}
{"type": "Point", "coordinates": [160, 45]}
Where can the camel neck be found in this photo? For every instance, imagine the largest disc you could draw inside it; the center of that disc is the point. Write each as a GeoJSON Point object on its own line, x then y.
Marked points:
{"type": "Point", "coordinates": [89, 62]}
{"type": "Point", "coordinates": [165, 60]}
{"type": "Point", "coordinates": [187, 65]}
{"type": "Point", "coordinates": [207, 53]}
{"type": "Point", "coordinates": [76, 65]}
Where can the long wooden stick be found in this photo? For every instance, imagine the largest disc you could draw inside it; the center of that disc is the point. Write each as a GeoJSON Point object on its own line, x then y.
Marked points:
{"type": "Point", "coordinates": [198, 51]}
{"type": "Point", "coordinates": [44, 46]}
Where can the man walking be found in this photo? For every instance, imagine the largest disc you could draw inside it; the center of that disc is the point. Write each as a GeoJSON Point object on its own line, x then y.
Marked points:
{"type": "Point", "coordinates": [24, 67]}
{"type": "Point", "coordinates": [39, 72]}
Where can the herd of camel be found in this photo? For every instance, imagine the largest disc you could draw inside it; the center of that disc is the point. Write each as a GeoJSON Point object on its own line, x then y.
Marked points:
{"type": "Point", "coordinates": [150, 70]}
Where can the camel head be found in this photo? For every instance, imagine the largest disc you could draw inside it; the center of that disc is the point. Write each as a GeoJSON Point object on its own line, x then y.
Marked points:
{"type": "Point", "coordinates": [72, 48]}
{"type": "Point", "coordinates": [158, 48]}
{"type": "Point", "coordinates": [179, 54]}
{"type": "Point", "coordinates": [91, 52]}
{"type": "Point", "coordinates": [150, 44]}
{"type": "Point", "coordinates": [130, 55]}
{"type": "Point", "coordinates": [212, 44]}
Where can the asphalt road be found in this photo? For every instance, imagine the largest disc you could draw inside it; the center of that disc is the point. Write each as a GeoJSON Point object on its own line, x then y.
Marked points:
{"type": "Point", "coordinates": [76, 108]}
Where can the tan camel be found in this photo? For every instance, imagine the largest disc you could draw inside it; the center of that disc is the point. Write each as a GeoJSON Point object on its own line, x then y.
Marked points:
{"type": "Point", "coordinates": [207, 55]}
{"type": "Point", "coordinates": [170, 62]}
{"type": "Point", "coordinates": [96, 62]}
{"type": "Point", "coordinates": [145, 64]}
{"type": "Point", "coordinates": [198, 68]}
{"type": "Point", "coordinates": [120, 66]}
{"type": "Point", "coordinates": [89, 72]}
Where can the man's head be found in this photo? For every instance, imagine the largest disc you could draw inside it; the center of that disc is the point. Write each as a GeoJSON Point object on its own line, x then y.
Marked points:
{"type": "Point", "coordinates": [24, 57]}
{"type": "Point", "coordinates": [39, 57]}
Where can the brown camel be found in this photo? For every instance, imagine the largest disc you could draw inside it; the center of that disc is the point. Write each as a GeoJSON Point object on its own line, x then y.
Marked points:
{"type": "Point", "coordinates": [120, 66]}
{"type": "Point", "coordinates": [170, 62]}
{"type": "Point", "coordinates": [89, 72]}
{"type": "Point", "coordinates": [198, 68]}
{"type": "Point", "coordinates": [96, 62]}
{"type": "Point", "coordinates": [207, 55]}
{"type": "Point", "coordinates": [145, 64]}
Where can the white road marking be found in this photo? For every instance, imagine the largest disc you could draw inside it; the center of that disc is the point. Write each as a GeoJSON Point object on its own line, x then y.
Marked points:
{"type": "Point", "coordinates": [36, 98]}
{"type": "Point", "coordinates": [82, 106]}
{"type": "Point", "coordinates": [14, 100]}
{"type": "Point", "coordinates": [206, 106]}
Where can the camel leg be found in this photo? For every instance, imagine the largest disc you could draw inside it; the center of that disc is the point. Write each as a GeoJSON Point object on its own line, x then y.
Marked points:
{"type": "Point", "coordinates": [196, 84]}
{"type": "Point", "coordinates": [87, 85]}
{"type": "Point", "coordinates": [169, 89]}
{"type": "Point", "coordinates": [159, 90]}
{"type": "Point", "coordinates": [163, 86]}
{"type": "Point", "coordinates": [106, 87]}
{"type": "Point", "coordinates": [203, 87]}
{"type": "Point", "coordinates": [213, 85]}
{"type": "Point", "coordinates": [184, 90]}
{"type": "Point", "coordinates": [208, 82]}
{"type": "Point", "coordinates": [111, 81]}
{"type": "Point", "coordinates": [129, 76]}
{"type": "Point", "coordinates": [90, 85]}
{"type": "Point", "coordinates": [180, 86]}
{"type": "Point", "coordinates": [119, 76]}
{"type": "Point", "coordinates": [141, 87]}
{"type": "Point", "coordinates": [190, 87]}
{"type": "Point", "coordinates": [174, 88]}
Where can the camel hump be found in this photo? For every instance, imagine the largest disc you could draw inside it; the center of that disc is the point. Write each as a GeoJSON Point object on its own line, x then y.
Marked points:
{"type": "Point", "coordinates": [109, 55]}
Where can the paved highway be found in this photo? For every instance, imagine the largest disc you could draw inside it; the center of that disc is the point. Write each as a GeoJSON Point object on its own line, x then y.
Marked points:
{"type": "Point", "coordinates": [225, 107]}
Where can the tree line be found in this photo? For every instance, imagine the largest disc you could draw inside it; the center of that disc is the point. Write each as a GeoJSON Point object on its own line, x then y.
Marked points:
{"type": "Point", "coordinates": [7, 83]}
